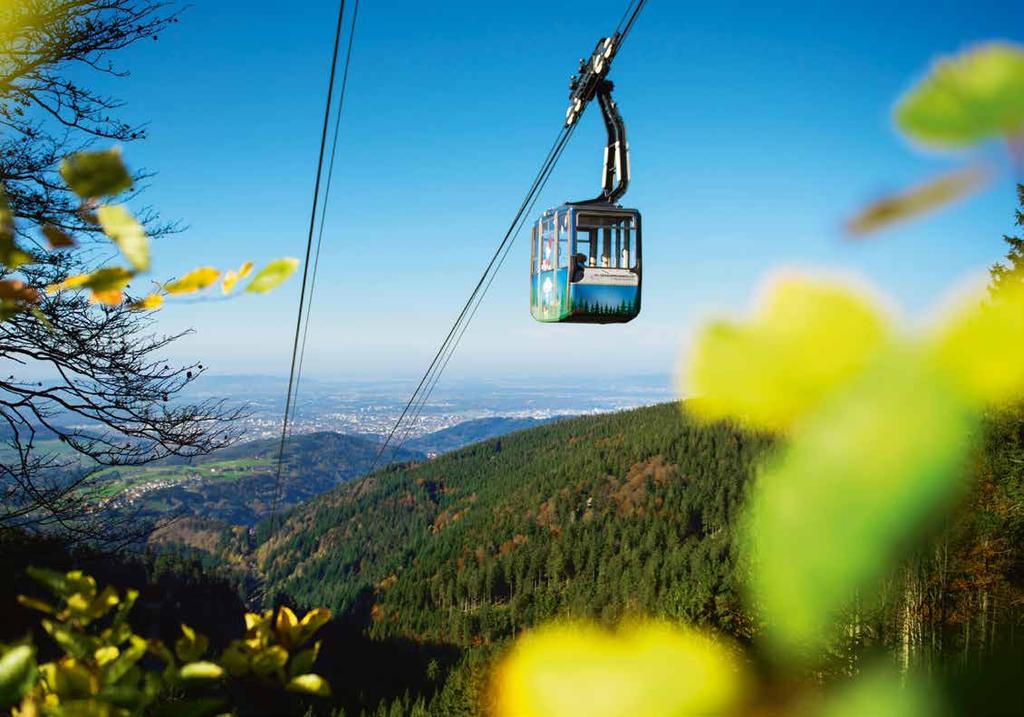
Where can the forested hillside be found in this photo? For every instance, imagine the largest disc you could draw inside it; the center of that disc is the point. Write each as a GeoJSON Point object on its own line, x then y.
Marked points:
{"type": "Point", "coordinates": [628, 513]}
{"type": "Point", "coordinates": [595, 516]}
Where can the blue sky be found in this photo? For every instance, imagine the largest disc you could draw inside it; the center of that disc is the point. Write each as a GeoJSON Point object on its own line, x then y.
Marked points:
{"type": "Point", "coordinates": [754, 132]}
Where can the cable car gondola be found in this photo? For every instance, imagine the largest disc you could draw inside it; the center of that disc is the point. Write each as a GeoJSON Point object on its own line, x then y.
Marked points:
{"type": "Point", "coordinates": [585, 258]}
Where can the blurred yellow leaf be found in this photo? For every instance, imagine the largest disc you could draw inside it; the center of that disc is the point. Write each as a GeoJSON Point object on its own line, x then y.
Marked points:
{"type": "Point", "coordinates": [967, 98]}
{"type": "Point", "coordinates": [647, 670]}
{"type": "Point", "coordinates": [109, 297]}
{"type": "Point", "coordinates": [981, 349]}
{"type": "Point", "coordinates": [107, 284]}
{"type": "Point", "coordinates": [856, 484]}
{"type": "Point", "coordinates": [91, 175]}
{"type": "Point", "coordinates": [272, 275]}
{"type": "Point", "coordinates": [314, 620]}
{"type": "Point", "coordinates": [201, 671]}
{"type": "Point", "coordinates": [806, 340]}
{"type": "Point", "coordinates": [245, 270]}
{"type": "Point", "coordinates": [72, 282]}
{"type": "Point", "coordinates": [269, 660]}
{"type": "Point", "coordinates": [127, 233]}
{"type": "Point", "coordinates": [148, 303]}
{"type": "Point", "coordinates": [230, 279]}
{"type": "Point", "coordinates": [191, 645]}
{"type": "Point", "coordinates": [918, 200]}
{"type": "Point", "coordinates": [309, 684]}
{"type": "Point", "coordinates": [193, 281]}
{"type": "Point", "coordinates": [105, 654]}
{"type": "Point", "coordinates": [286, 626]}
{"type": "Point", "coordinates": [57, 238]}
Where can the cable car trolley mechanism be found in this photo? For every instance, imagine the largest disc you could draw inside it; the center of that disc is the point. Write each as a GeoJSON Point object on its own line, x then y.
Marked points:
{"type": "Point", "coordinates": [585, 256]}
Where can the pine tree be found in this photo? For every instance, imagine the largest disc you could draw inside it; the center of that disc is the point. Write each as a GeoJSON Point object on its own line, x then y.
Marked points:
{"type": "Point", "coordinates": [1011, 270]}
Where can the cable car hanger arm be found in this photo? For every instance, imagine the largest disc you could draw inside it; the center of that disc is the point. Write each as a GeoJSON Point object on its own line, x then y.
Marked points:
{"type": "Point", "coordinates": [592, 83]}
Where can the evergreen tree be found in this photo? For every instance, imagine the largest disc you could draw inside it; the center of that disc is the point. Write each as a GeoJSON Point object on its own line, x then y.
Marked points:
{"type": "Point", "coordinates": [1011, 270]}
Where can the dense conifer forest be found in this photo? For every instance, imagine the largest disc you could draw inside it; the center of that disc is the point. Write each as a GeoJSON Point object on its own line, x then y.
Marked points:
{"type": "Point", "coordinates": [606, 517]}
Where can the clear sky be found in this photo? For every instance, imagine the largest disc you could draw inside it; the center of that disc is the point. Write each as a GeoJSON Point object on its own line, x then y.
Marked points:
{"type": "Point", "coordinates": [754, 132]}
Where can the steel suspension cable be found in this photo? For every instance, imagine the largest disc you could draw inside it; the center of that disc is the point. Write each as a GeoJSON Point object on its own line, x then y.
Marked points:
{"type": "Point", "coordinates": [327, 195]}
{"type": "Point", "coordinates": [417, 400]}
{"type": "Point", "coordinates": [306, 266]}
{"type": "Point", "coordinates": [546, 167]}
{"type": "Point", "coordinates": [479, 300]}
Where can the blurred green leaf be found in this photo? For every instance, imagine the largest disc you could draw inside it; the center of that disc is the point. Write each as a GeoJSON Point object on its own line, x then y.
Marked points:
{"type": "Point", "coordinates": [75, 644]}
{"type": "Point", "coordinates": [119, 667]}
{"type": "Point", "coordinates": [858, 482]}
{"type": "Point", "coordinates": [878, 692]}
{"type": "Point", "coordinates": [303, 661]}
{"type": "Point", "coordinates": [191, 645]}
{"type": "Point", "coordinates": [272, 275]}
{"type": "Point", "coordinates": [53, 581]}
{"type": "Point", "coordinates": [918, 200]}
{"type": "Point", "coordinates": [968, 98]}
{"type": "Point", "coordinates": [17, 674]}
{"type": "Point", "coordinates": [92, 175]}
{"type": "Point", "coordinates": [127, 233]}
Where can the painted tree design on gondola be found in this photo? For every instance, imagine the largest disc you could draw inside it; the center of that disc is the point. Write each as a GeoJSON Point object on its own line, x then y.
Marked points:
{"type": "Point", "coordinates": [594, 308]}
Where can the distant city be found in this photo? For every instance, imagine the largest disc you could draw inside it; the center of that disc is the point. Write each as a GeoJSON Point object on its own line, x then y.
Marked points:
{"type": "Point", "coordinates": [370, 408]}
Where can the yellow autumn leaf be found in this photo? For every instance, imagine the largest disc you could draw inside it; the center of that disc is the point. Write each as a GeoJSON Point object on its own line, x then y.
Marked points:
{"type": "Point", "coordinates": [286, 626]}
{"type": "Point", "coordinates": [201, 671]}
{"type": "Point", "coordinates": [315, 619]}
{"type": "Point", "coordinates": [148, 303]}
{"type": "Point", "coordinates": [807, 338]}
{"type": "Point", "coordinates": [106, 654]}
{"type": "Point", "coordinates": [646, 670]}
{"type": "Point", "coordinates": [108, 297]}
{"type": "Point", "coordinates": [230, 279]}
{"type": "Point", "coordinates": [123, 229]}
{"type": "Point", "coordinates": [245, 270]}
{"type": "Point", "coordinates": [72, 282]}
{"type": "Point", "coordinates": [193, 281]}
{"type": "Point", "coordinates": [309, 684]}
{"type": "Point", "coordinates": [272, 275]}
{"type": "Point", "coordinates": [981, 349]}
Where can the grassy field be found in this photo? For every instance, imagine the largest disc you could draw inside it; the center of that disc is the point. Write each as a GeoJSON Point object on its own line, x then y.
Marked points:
{"type": "Point", "coordinates": [113, 481]}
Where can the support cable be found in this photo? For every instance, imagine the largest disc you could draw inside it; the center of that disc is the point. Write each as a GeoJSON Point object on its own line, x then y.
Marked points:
{"type": "Point", "coordinates": [306, 265]}
{"type": "Point", "coordinates": [419, 398]}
